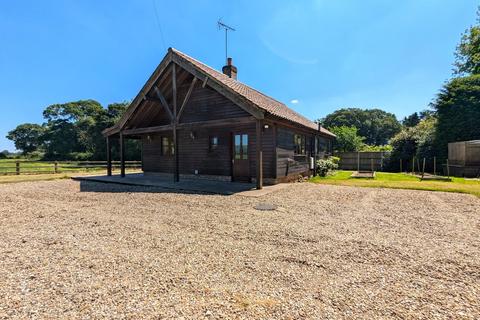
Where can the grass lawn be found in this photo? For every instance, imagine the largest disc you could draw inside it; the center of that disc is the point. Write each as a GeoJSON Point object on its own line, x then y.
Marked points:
{"type": "Point", "coordinates": [8, 166]}
{"type": "Point", "coordinates": [53, 176]}
{"type": "Point", "coordinates": [44, 170]}
{"type": "Point", "coordinates": [401, 181]}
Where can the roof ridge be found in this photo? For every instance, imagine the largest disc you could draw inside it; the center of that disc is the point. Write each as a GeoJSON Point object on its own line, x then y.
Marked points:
{"type": "Point", "coordinates": [273, 107]}
{"type": "Point", "coordinates": [220, 73]}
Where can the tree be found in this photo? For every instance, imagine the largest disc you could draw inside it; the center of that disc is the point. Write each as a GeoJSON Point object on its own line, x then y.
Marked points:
{"type": "Point", "coordinates": [27, 137]}
{"type": "Point", "coordinates": [417, 141]}
{"type": "Point", "coordinates": [107, 119]}
{"type": "Point", "coordinates": [377, 126]}
{"type": "Point", "coordinates": [347, 139]}
{"type": "Point", "coordinates": [458, 111]}
{"type": "Point", "coordinates": [73, 131]}
{"type": "Point", "coordinates": [70, 131]}
{"type": "Point", "coordinates": [467, 56]}
{"type": "Point", "coordinates": [404, 145]}
{"type": "Point", "coordinates": [412, 120]}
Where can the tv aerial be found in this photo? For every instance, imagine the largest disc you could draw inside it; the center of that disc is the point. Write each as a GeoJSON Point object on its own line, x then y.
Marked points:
{"type": "Point", "coordinates": [227, 28]}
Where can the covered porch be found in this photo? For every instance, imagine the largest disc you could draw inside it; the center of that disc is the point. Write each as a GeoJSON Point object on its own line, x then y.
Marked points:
{"type": "Point", "coordinates": [163, 109]}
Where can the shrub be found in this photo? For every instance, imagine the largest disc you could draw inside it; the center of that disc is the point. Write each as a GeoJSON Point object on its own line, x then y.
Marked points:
{"type": "Point", "coordinates": [79, 156]}
{"type": "Point", "coordinates": [326, 166]}
{"type": "Point", "coordinates": [383, 148]}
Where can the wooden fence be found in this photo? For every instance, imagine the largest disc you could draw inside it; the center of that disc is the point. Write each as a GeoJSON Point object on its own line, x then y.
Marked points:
{"type": "Point", "coordinates": [363, 161]}
{"type": "Point", "coordinates": [18, 167]}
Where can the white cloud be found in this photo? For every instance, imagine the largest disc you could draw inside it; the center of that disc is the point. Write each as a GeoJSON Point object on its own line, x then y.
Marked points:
{"type": "Point", "coordinates": [294, 101]}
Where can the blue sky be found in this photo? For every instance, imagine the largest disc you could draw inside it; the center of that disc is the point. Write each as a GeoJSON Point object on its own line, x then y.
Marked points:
{"type": "Point", "coordinates": [316, 56]}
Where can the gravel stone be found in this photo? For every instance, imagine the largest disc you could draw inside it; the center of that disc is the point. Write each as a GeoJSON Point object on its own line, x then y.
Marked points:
{"type": "Point", "coordinates": [85, 250]}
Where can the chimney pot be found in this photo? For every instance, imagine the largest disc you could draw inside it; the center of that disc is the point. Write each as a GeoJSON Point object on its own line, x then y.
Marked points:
{"type": "Point", "coordinates": [229, 61]}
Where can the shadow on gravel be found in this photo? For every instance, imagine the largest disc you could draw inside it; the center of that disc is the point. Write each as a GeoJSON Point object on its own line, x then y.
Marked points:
{"type": "Point", "coordinates": [95, 186]}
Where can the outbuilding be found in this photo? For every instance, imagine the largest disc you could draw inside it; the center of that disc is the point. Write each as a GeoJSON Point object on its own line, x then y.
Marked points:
{"type": "Point", "coordinates": [194, 121]}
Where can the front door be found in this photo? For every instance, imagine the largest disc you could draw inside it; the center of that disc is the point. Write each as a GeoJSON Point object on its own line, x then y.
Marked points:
{"type": "Point", "coordinates": [241, 164]}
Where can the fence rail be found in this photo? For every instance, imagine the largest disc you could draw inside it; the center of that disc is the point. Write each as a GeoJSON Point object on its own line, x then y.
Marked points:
{"type": "Point", "coordinates": [363, 161]}
{"type": "Point", "coordinates": [18, 167]}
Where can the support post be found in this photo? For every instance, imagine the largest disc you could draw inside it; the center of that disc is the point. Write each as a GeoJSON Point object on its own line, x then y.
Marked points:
{"type": "Point", "coordinates": [434, 166]}
{"type": "Point", "coordinates": [109, 157]}
{"type": "Point", "coordinates": [371, 164]}
{"type": "Point", "coordinates": [315, 148]}
{"type": "Point", "coordinates": [176, 175]}
{"type": "Point", "coordinates": [259, 155]}
{"type": "Point", "coordinates": [17, 167]}
{"type": "Point", "coordinates": [122, 155]}
{"type": "Point", "coordinates": [413, 165]}
{"type": "Point", "coordinates": [55, 167]}
{"type": "Point", "coordinates": [401, 166]}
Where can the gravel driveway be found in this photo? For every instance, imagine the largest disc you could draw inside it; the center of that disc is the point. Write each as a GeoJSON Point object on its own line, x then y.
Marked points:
{"type": "Point", "coordinates": [326, 252]}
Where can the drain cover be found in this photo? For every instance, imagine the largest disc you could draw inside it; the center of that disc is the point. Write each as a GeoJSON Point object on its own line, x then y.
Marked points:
{"type": "Point", "coordinates": [265, 207]}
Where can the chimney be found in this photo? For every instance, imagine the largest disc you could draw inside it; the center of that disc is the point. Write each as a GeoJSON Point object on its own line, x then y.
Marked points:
{"type": "Point", "coordinates": [230, 70]}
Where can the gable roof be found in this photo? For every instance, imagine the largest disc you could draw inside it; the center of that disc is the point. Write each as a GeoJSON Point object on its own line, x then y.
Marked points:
{"type": "Point", "coordinates": [260, 101]}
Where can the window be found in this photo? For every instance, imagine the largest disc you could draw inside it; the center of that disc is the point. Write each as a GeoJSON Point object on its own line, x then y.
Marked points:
{"type": "Point", "coordinates": [213, 143]}
{"type": "Point", "coordinates": [322, 145]}
{"type": "Point", "coordinates": [299, 144]}
{"type": "Point", "coordinates": [168, 148]}
{"type": "Point", "coordinates": [241, 146]}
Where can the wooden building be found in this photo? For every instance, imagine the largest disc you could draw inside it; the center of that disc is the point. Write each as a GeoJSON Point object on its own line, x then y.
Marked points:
{"type": "Point", "coordinates": [196, 121]}
{"type": "Point", "coordinates": [464, 159]}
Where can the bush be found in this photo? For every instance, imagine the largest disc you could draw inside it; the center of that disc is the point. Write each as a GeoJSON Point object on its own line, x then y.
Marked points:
{"type": "Point", "coordinates": [383, 148]}
{"type": "Point", "coordinates": [79, 156]}
{"type": "Point", "coordinates": [326, 166]}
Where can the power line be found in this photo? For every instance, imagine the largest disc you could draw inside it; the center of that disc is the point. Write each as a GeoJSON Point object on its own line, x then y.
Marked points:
{"type": "Point", "coordinates": [159, 25]}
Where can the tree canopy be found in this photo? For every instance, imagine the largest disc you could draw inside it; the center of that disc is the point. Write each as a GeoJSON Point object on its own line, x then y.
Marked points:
{"type": "Point", "coordinates": [27, 137]}
{"type": "Point", "coordinates": [467, 56]}
{"type": "Point", "coordinates": [457, 109]}
{"type": "Point", "coordinates": [412, 120]}
{"type": "Point", "coordinates": [72, 131]}
{"type": "Point", "coordinates": [347, 139]}
{"type": "Point", "coordinates": [375, 125]}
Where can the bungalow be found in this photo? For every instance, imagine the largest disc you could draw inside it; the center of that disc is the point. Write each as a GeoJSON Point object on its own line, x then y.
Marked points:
{"type": "Point", "coordinates": [195, 121]}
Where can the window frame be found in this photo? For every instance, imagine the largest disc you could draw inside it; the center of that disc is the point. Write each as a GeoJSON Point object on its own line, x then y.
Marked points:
{"type": "Point", "coordinates": [243, 145]}
{"type": "Point", "coordinates": [213, 146]}
{"type": "Point", "coordinates": [299, 144]}
{"type": "Point", "coordinates": [167, 148]}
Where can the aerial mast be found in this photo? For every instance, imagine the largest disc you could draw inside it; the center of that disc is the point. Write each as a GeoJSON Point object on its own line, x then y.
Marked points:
{"type": "Point", "coordinates": [227, 28]}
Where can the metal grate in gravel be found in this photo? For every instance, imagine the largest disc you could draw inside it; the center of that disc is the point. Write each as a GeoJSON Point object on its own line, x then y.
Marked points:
{"type": "Point", "coordinates": [265, 207]}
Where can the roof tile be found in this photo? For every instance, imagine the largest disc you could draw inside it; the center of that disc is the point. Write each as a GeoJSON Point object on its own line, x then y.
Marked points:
{"type": "Point", "coordinates": [259, 99]}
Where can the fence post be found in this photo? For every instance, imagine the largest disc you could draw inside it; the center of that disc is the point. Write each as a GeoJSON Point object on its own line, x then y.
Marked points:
{"type": "Point", "coordinates": [401, 169]}
{"type": "Point", "coordinates": [423, 169]}
{"type": "Point", "coordinates": [413, 165]}
{"type": "Point", "coordinates": [358, 161]}
{"type": "Point", "coordinates": [371, 163]}
{"type": "Point", "coordinates": [17, 167]}
{"type": "Point", "coordinates": [434, 166]}
{"type": "Point", "coordinates": [55, 167]}
{"type": "Point", "coordinates": [448, 169]}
